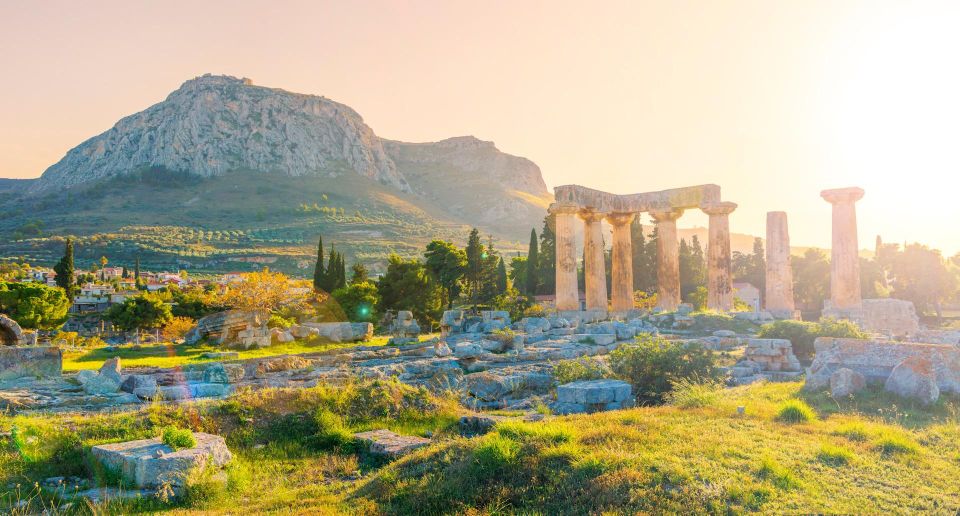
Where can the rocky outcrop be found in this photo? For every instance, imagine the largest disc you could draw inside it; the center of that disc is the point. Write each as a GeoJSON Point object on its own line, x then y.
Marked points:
{"type": "Point", "coordinates": [241, 328]}
{"type": "Point", "coordinates": [30, 362]}
{"type": "Point", "coordinates": [214, 125]}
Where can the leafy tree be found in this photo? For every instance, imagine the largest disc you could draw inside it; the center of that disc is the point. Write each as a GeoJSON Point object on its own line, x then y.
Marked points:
{"type": "Point", "coordinates": [531, 275]}
{"type": "Point", "coordinates": [359, 274]}
{"type": "Point", "coordinates": [64, 269]}
{"type": "Point", "coordinates": [145, 311]}
{"type": "Point", "coordinates": [547, 257]}
{"type": "Point", "coordinates": [264, 291]}
{"type": "Point", "coordinates": [490, 274]}
{"type": "Point", "coordinates": [358, 300]}
{"type": "Point", "coordinates": [751, 268]}
{"type": "Point", "coordinates": [34, 305]}
{"type": "Point", "coordinates": [811, 279]}
{"type": "Point", "coordinates": [408, 285]}
{"type": "Point", "coordinates": [319, 273]}
{"type": "Point", "coordinates": [518, 273]}
{"type": "Point", "coordinates": [693, 269]}
{"type": "Point", "coordinates": [448, 265]}
{"type": "Point", "coordinates": [921, 275]}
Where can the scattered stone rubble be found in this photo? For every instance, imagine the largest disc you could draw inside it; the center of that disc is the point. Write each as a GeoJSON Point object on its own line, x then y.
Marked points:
{"type": "Point", "coordinates": [593, 396]}
{"type": "Point", "coordinates": [148, 463]}
{"type": "Point", "coordinates": [769, 359]}
{"type": "Point", "coordinates": [244, 329]}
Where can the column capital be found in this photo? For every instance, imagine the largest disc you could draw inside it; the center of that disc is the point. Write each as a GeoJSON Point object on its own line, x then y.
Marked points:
{"type": "Point", "coordinates": [568, 208]}
{"type": "Point", "coordinates": [719, 208]}
{"type": "Point", "coordinates": [591, 215]}
{"type": "Point", "coordinates": [842, 195]}
{"type": "Point", "coordinates": [620, 219]}
{"type": "Point", "coordinates": [666, 215]}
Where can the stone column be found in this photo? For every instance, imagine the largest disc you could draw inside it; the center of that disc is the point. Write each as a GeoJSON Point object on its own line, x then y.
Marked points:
{"type": "Point", "coordinates": [719, 278]}
{"type": "Point", "coordinates": [668, 258]}
{"type": "Point", "coordinates": [779, 274]}
{"type": "Point", "coordinates": [594, 268]}
{"type": "Point", "coordinates": [567, 297]}
{"type": "Point", "coordinates": [844, 253]}
{"type": "Point", "coordinates": [621, 275]}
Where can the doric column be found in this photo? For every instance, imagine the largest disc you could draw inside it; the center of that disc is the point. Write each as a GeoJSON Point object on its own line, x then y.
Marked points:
{"type": "Point", "coordinates": [719, 279]}
{"type": "Point", "coordinates": [779, 274]}
{"type": "Point", "coordinates": [668, 258]}
{"type": "Point", "coordinates": [566, 297]}
{"type": "Point", "coordinates": [844, 255]}
{"type": "Point", "coordinates": [621, 273]}
{"type": "Point", "coordinates": [594, 269]}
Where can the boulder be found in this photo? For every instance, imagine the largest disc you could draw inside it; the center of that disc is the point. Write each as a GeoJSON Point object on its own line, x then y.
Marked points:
{"type": "Point", "coordinates": [32, 362]}
{"type": "Point", "coordinates": [846, 382]}
{"type": "Point", "coordinates": [111, 369]}
{"type": "Point", "coordinates": [385, 442]}
{"type": "Point", "coordinates": [467, 350]}
{"type": "Point", "coordinates": [914, 378]}
{"type": "Point", "coordinates": [142, 382]}
{"type": "Point", "coordinates": [223, 328]}
{"type": "Point", "coordinates": [440, 349]}
{"type": "Point", "coordinates": [303, 332]}
{"type": "Point", "coordinates": [216, 373]}
{"type": "Point", "coordinates": [100, 384]}
{"type": "Point", "coordinates": [148, 463]}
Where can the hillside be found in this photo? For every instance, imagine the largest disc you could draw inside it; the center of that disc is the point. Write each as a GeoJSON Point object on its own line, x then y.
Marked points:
{"type": "Point", "coordinates": [224, 175]}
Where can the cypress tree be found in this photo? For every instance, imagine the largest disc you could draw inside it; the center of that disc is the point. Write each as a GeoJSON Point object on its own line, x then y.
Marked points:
{"type": "Point", "coordinates": [318, 271]}
{"type": "Point", "coordinates": [533, 260]}
{"type": "Point", "coordinates": [474, 270]}
{"type": "Point", "coordinates": [342, 272]}
{"type": "Point", "coordinates": [501, 276]}
{"type": "Point", "coordinates": [64, 269]}
{"type": "Point", "coordinates": [546, 268]}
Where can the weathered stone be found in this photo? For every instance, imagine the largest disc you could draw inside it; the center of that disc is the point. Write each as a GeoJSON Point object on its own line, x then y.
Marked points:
{"type": "Point", "coordinates": [223, 328]}
{"type": "Point", "coordinates": [385, 442]}
{"type": "Point", "coordinates": [99, 384]}
{"type": "Point", "coordinates": [208, 390]}
{"type": "Point", "coordinates": [138, 461]}
{"type": "Point", "coordinates": [343, 331]}
{"type": "Point", "coordinates": [772, 355]}
{"type": "Point", "coordinates": [594, 262]}
{"type": "Point", "coordinates": [451, 322]}
{"type": "Point", "coordinates": [846, 382]}
{"type": "Point", "coordinates": [844, 251]}
{"type": "Point", "coordinates": [914, 378]}
{"type": "Point", "coordinates": [216, 373]}
{"type": "Point", "coordinates": [594, 391]}
{"type": "Point", "coordinates": [600, 339]}
{"type": "Point", "coordinates": [467, 350]}
{"type": "Point", "coordinates": [145, 383]}
{"type": "Point", "coordinates": [567, 297]}
{"type": "Point", "coordinates": [440, 349]}
{"type": "Point", "coordinates": [621, 270]}
{"type": "Point", "coordinates": [111, 369]}
{"type": "Point", "coordinates": [32, 362]}
{"type": "Point", "coordinates": [779, 272]}
{"type": "Point", "coordinates": [10, 332]}
{"type": "Point", "coordinates": [719, 276]}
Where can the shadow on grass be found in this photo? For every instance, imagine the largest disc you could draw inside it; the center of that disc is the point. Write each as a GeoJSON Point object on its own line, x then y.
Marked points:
{"type": "Point", "coordinates": [875, 402]}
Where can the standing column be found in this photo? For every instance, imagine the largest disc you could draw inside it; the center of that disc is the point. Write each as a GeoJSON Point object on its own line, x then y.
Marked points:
{"type": "Point", "coordinates": [566, 296]}
{"type": "Point", "coordinates": [668, 258]}
{"type": "Point", "coordinates": [719, 280]}
{"type": "Point", "coordinates": [594, 269]}
{"type": "Point", "coordinates": [844, 255]}
{"type": "Point", "coordinates": [621, 274]}
{"type": "Point", "coordinates": [779, 274]}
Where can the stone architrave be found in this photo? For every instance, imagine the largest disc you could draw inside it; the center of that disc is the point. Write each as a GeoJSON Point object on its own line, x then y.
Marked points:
{"type": "Point", "coordinates": [594, 268]}
{"type": "Point", "coordinates": [566, 266]}
{"type": "Point", "coordinates": [779, 274]}
{"type": "Point", "coordinates": [719, 278]}
{"type": "Point", "coordinates": [844, 253]}
{"type": "Point", "coordinates": [668, 258]}
{"type": "Point", "coordinates": [621, 273]}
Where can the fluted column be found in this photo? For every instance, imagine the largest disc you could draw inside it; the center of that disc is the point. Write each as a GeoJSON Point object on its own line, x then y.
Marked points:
{"type": "Point", "coordinates": [668, 258]}
{"type": "Point", "coordinates": [844, 253]}
{"type": "Point", "coordinates": [719, 278]}
{"type": "Point", "coordinates": [621, 274]}
{"type": "Point", "coordinates": [565, 219]}
{"type": "Point", "coordinates": [779, 273]}
{"type": "Point", "coordinates": [594, 268]}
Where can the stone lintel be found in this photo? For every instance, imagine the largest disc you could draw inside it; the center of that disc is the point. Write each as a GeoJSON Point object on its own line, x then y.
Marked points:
{"type": "Point", "coordinates": [842, 195]}
{"type": "Point", "coordinates": [683, 198]}
{"type": "Point", "coordinates": [563, 208]}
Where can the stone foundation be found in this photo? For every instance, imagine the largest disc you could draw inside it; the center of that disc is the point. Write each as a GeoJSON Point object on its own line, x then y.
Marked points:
{"type": "Point", "coordinates": [892, 317]}
{"type": "Point", "coordinates": [593, 396]}
{"type": "Point", "coordinates": [30, 362]}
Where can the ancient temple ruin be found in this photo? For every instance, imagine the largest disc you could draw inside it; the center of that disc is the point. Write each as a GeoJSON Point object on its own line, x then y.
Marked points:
{"type": "Point", "coordinates": [593, 206]}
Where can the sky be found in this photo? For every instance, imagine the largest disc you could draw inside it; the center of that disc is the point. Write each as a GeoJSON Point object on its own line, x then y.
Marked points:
{"type": "Point", "coordinates": [773, 100]}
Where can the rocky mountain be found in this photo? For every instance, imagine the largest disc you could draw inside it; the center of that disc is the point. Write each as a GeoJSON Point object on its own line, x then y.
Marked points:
{"type": "Point", "coordinates": [265, 171]}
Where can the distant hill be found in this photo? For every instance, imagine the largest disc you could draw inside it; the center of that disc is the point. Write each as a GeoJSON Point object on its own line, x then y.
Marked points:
{"type": "Point", "coordinates": [224, 174]}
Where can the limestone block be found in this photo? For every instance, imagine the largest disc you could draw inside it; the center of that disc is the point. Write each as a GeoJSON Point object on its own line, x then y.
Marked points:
{"type": "Point", "coordinates": [100, 384]}
{"type": "Point", "coordinates": [598, 339]}
{"type": "Point", "coordinates": [594, 391]}
{"type": "Point", "coordinates": [440, 349]}
{"type": "Point", "coordinates": [32, 362]}
{"type": "Point", "coordinates": [149, 463]}
{"type": "Point", "coordinates": [914, 378]}
{"type": "Point", "coordinates": [215, 373]}
{"type": "Point", "coordinates": [845, 382]}
{"type": "Point", "coordinates": [208, 390]}
{"type": "Point", "coordinates": [139, 381]}
{"type": "Point", "coordinates": [385, 442]}
{"type": "Point", "coordinates": [467, 350]}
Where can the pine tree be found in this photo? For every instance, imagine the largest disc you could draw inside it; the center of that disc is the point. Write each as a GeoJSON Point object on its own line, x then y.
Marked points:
{"type": "Point", "coordinates": [474, 270]}
{"type": "Point", "coordinates": [501, 276]}
{"type": "Point", "coordinates": [318, 271]}
{"type": "Point", "coordinates": [359, 274]}
{"type": "Point", "coordinates": [533, 260]}
{"type": "Point", "coordinates": [547, 263]}
{"type": "Point", "coordinates": [64, 269]}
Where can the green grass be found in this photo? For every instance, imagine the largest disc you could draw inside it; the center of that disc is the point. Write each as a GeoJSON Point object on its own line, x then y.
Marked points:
{"type": "Point", "coordinates": [293, 455]}
{"type": "Point", "coordinates": [795, 411]}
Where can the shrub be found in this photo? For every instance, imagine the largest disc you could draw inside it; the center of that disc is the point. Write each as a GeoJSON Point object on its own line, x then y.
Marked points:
{"type": "Point", "coordinates": [331, 430]}
{"type": "Point", "coordinates": [535, 310]}
{"type": "Point", "coordinates": [178, 438]}
{"type": "Point", "coordinates": [694, 392]}
{"type": "Point", "coordinates": [177, 328]}
{"type": "Point", "coordinates": [653, 364]}
{"type": "Point", "coordinates": [795, 411]}
{"type": "Point", "coordinates": [834, 455]}
{"type": "Point", "coordinates": [584, 368]}
{"type": "Point", "coordinates": [802, 334]}
{"type": "Point", "coordinates": [278, 321]}
{"type": "Point", "coordinates": [503, 336]}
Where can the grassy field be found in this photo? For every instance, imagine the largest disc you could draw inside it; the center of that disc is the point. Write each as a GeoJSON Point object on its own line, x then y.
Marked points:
{"type": "Point", "coordinates": [869, 454]}
{"type": "Point", "coordinates": [170, 355]}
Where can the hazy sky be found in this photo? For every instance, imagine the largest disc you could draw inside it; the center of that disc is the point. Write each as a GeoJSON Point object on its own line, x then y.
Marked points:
{"type": "Point", "coordinates": [772, 100]}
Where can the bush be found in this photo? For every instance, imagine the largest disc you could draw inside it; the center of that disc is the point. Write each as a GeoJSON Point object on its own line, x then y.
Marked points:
{"type": "Point", "coordinates": [802, 334]}
{"type": "Point", "coordinates": [178, 327]}
{"type": "Point", "coordinates": [694, 392]}
{"type": "Point", "coordinates": [653, 364]}
{"type": "Point", "coordinates": [535, 310]}
{"type": "Point", "coordinates": [178, 438]}
{"type": "Point", "coordinates": [278, 321]}
{"type": "Point", "coordinates": [795, 411]}
{"type": "Point", "coordinates": [584, 368]}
